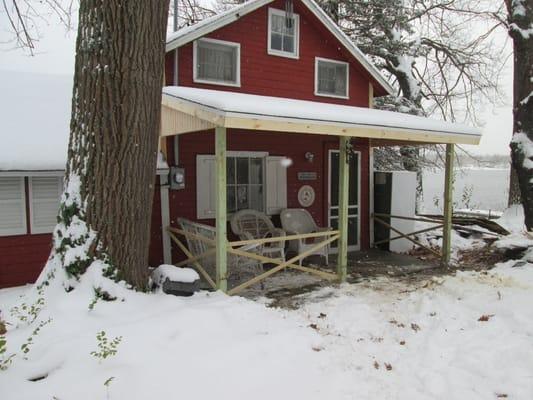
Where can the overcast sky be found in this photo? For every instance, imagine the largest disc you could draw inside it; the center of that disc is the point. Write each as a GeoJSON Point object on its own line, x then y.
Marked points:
{"type": "Point", "coordinates": [55, 55]}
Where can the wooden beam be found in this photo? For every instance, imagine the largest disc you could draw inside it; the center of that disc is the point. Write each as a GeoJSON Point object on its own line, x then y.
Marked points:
{"type": "Point", "coordinates": [344, 180]}
{"type": "Point", "coordinates": [448, 205]}
{"type": "Point", "coordinates": [282, 238]}
{"type": "Point", "coordinates": [221, 212]}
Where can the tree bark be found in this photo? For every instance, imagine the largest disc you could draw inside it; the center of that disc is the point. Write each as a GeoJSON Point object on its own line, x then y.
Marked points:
{"type": "Point", "coordinates": [520, 30]}
{"type": "Point", "coordinates": [514, 189]}
{"type": "Point", "coordinates": [113, 144]}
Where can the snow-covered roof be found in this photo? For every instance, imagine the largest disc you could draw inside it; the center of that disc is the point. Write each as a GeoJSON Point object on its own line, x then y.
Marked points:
{"type": "Point", "coordinates": [35, 121]}
{"type": "Point", "coordinates": [193, 32]}
{"type": "Point", "coordinates": [247, 111]}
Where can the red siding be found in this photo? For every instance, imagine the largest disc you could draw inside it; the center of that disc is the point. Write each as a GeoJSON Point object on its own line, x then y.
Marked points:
{"type": "Point", "coordinates": [270, 75]}
{"type": "Point", "coordinates": [294, 146]}
{"type": "Point", "coordinates": [22, 257]}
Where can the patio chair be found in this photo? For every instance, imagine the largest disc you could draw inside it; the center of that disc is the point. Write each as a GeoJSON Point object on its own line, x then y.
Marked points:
{"type": "Point", "coordinates": [237, 265]}
{"type": "Point", "coordinates": [297, 221]}
{"type": "Point", "coordinates": [252, 224]}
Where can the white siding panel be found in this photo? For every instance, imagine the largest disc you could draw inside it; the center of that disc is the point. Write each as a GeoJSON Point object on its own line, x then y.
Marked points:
{"type": "Point", "coordinates": [276, 185]}
{"type": "Point", "coordinates": [12, 206]}
{"type": "Point", "coordinates": [205, 187]}
{"type": "Point", "coordinates": [45, 193]}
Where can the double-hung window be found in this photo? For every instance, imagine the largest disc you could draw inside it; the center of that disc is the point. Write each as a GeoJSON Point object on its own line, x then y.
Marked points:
{"type": "Point", "coordinates": [331, 78]}
{"type": "Point", "coordinates": [217, 62]}
{"type": "Point", "coordinates": [283, 33]}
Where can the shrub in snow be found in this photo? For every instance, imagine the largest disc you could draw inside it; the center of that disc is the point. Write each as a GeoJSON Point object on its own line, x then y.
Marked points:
{"type": "Point", "coordinates": [106, 347]}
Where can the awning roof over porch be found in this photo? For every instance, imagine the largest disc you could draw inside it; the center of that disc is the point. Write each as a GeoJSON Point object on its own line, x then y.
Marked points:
{"type": "Point", "coordinates": [188, 109]}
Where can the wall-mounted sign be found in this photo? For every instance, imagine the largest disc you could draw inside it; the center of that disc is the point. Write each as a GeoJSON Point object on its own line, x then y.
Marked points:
{"type": "Point", "coordinates": [307, 176]}
{"type": "Point", "coordinates": [306, 196]}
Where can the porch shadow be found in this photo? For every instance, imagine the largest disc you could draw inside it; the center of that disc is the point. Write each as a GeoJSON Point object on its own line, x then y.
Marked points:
{"type": "Point", "coordinates": [366, 264]}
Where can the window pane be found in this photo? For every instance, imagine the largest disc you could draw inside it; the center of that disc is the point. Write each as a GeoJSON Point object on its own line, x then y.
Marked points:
{"type": "Point", "coordinates": [288, 44]}
{"type": "Point", "coordinates": [256, 197]}
{"type": "Point", "coordinates": [217, 62]}
{"type": "Point", "coordinates": [275, 41]}
{"type": "Point", "coordinates": [242, 197]}
{"type": "Point", "coordinates": [230, 198]}
{"type": "Point", "coordinates": [332, 78]}
{"type": "Point", "coordinates": [230, 170]}
{"type": "Point", "coordinates": [242, 170]}
{"type": "Point", "coordinates": [256, 170]}
{"type": "Point", "coordinates": [277, 23]}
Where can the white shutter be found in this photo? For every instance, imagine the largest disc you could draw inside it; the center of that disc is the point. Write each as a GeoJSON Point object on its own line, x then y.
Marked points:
{"type": "Point", "coordinates": [276, 185]}
{"type": "Point", "coordinates": [12, 206]}
{"type": "Point", "coordinates": [205, 187]}
{"type": "Point", "coordinates": [45, 193]}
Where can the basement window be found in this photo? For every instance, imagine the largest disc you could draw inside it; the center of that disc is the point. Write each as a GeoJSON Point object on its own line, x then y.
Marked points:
{"type": "Point", "coordinates": [331, 78]}
{"type": "Point", "coordinates": [217, 62]}
{"type": "Point", "coordinates": [283, 33]}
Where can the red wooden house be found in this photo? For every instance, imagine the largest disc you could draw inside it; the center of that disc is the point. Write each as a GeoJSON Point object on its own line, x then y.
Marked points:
{"type": "Point", "coordinates": [268, 101]}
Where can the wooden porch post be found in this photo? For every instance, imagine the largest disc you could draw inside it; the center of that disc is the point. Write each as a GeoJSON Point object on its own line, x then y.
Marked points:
{"type": "Point", "coordinates": [221, 213]}
{"type": "Point", "coordinates": [344, 179]}
{"type": "Point", "coordinates": [448, 205]}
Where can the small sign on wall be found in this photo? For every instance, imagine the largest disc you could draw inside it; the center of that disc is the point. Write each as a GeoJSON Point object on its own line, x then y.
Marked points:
{"type": "Point", "coordinates": [307, 176]}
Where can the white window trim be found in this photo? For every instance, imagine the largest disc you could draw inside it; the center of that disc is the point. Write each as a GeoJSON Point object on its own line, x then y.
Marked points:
{"type": "Point", "coordinates": [24, 229]}
{"type": "Point", "coordinates": [273, 52]}
{"type": "Point", "coordinates": [33, 230]}
{"type": "Point", "coordinates": [317, 93]}
{"type": "Point", "coordinates": [212, 82]}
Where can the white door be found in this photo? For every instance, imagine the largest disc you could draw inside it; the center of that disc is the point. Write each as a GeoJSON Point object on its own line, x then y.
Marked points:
{"type": "Point", "coordinates": [354, 222]}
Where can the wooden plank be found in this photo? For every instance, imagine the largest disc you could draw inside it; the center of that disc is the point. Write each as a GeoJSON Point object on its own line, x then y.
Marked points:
{"type": "Point", "coordinates": [193, 236]}
{"type": "Point", "coordinates": [344, 181]}
{"type": "Point", "coordinates": [282, 238]}
{"type": "Point", "coordinates": [258, 257]}
{"type": "Point", "coordinates": [221, 212]}
{"type": "Point", "coordinates": [410, 234]}
{"type": "Point", "coordinates": [431, 221]}
{"type": "Point", "coordinates": [281, 266]}
{"type": "Point", "coordinates": [448, 205]}
{"type": "Point", "coordinates": [196, 264]}
{"type": "Point", "coordinates": [407, 237]}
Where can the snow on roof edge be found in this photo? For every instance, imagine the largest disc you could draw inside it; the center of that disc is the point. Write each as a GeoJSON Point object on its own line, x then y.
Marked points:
{"type": "Point", "coordinates": [235, 104]}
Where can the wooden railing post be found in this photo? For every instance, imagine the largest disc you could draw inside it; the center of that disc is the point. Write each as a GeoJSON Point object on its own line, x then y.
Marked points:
{"type": "Point", "coordinates": [448, 205]}
{"type": "Point", "coordinates": [344, 179]}
{"type": "Point", "coordinates": [221, 212]}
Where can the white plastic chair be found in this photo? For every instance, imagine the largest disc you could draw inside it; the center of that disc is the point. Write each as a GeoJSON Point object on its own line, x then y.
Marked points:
{"type": "Point", "coordinates": [297, 221]}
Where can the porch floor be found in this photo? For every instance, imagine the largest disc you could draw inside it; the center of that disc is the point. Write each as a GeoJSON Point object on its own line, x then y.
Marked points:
{"type": "Point", "coordinates": [366, 264]}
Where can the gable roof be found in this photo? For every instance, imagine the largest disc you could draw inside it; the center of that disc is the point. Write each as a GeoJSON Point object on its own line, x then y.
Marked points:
{"type": "Point", "coordinates": [208, 25]}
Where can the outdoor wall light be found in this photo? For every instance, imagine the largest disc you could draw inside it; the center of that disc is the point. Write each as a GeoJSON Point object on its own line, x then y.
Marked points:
{"type": "Point", "coordinates": [309, 156]}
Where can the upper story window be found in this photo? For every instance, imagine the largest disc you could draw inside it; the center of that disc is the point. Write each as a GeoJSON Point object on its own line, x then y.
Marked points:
{"type": "Point", "coordinates": [283, 33]}
{"type": "Point", "coordinates": [331, 78]}
{"type": "Point", "coordinates": [217, 62]}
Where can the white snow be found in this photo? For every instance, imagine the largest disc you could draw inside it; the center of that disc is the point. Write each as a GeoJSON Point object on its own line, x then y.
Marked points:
{"type": "Point", "coordinates": [512, 219]}
{"type": "Point", "coordinates": [228, 104]}
{"type": "Point", "coordinates": [526, 33]}
{"type": "Point", "coordinates": [526, 146]}
{"type": "Point", "coordinates": [463, 337]}
{"type": "Point", "coordinates": [35, 121]}
{"type": "Point", "coordinates": [175, 274]}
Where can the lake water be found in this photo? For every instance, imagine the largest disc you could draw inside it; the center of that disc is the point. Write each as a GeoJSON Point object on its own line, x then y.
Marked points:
{"type": "Point", "coordinates": [480, 188]}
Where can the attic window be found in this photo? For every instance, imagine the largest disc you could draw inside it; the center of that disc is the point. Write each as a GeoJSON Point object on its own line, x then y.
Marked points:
{"type": "Point", "coordinates": [283, 33]}
{"type": "Point", "coordinates": [331, 78]}
{"type": "Point", "coordinates": [217, 62]}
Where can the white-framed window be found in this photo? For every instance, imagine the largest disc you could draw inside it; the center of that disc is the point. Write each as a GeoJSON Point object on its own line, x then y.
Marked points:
{"type": "Point", "coordinates": [217, 62]}
{"type": "Point", "coordinates": [283, 34]}
{"type": "Point", "coordinates": [12, 206]}
{"type": "Point", "coordinates": [254, 181]}
{"type": "Point", "coordinates": [332, 78]}
{"type": "Point", "coordinates": [45, 194]}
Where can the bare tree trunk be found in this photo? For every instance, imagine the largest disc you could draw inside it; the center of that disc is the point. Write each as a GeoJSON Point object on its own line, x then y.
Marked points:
{"type": "Point", "coordinates": [520, 22]}
{"type": "Point", "coordinates": [106, 208]}
{"type": "Point", "coordinates": [514, 189]}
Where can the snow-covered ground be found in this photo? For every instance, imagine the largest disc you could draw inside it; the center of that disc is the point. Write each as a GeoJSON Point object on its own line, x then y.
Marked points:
{"type": "Point", "coordinates": [468, 336]}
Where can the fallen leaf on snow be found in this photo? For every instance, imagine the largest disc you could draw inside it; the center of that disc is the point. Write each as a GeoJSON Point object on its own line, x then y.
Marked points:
{"type": "Point", "coordinates": [376, 365]}
{"type": "Point", "coordinates": [388, 366]}
{"type": "Point", "coordinates": [415, 327]}
{"type": "Point", "coordinates": [485, 318]}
